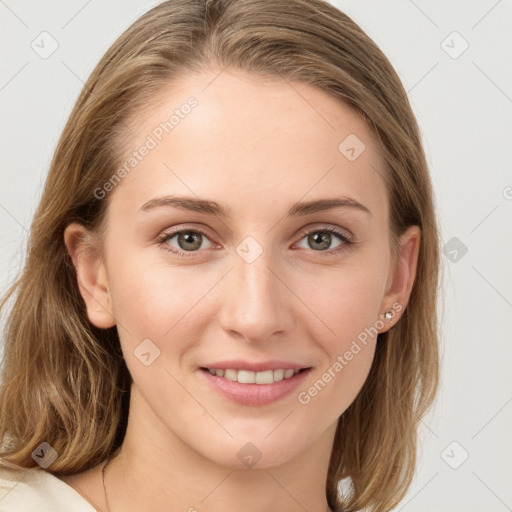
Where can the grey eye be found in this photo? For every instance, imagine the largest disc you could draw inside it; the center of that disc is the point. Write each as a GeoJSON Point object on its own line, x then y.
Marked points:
{"type": "Point", "coordinates": [320, 240]}
{"type": "Point", "coordinates": [188, 240]}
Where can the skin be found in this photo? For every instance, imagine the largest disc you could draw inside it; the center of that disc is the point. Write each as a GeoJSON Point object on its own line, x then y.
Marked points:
{"type": "Point", "coordinates": [255, 146]}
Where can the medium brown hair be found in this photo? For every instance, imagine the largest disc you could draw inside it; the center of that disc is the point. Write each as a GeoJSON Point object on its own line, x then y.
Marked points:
{"type": "Point", "coordinates": [65, 382]}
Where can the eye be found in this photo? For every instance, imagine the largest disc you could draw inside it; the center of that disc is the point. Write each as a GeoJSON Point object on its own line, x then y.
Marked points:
{"type": "Point", "coordinates": [187, 240]}
{"type": "Point", "coordinates": [321, 239]}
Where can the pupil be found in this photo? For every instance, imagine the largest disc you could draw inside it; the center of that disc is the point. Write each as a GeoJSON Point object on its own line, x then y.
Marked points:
{"type": "Point", "coordinates": [189, 237]}
{"type": "Point", "coordinates": [321, 237]}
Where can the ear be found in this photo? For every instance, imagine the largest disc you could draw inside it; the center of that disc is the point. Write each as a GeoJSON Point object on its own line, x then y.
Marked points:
{"type": "Point", "coordinates": [91, 274]}
{"type": "Point", "coordinates": [402, 275]}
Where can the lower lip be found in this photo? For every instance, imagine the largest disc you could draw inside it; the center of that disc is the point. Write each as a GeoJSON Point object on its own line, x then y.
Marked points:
{"type": "Point", "coordinates": [255, 394]}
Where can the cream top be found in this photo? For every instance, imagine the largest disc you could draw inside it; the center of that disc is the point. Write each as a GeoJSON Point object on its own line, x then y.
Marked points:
{"type": "Point", "coordinates": [38, 490]}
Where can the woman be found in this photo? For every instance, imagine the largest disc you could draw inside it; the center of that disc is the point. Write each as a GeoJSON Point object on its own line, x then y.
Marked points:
{"type": "Point", "coordinates": [177, 340]}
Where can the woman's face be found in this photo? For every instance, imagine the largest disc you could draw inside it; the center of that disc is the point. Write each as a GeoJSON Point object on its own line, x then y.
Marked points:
{"type": "Point", "coordinates": [253, 278]}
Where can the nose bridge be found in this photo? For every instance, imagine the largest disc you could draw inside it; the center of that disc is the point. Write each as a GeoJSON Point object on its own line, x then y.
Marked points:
{"type": "Point", "coordinates": [256, 305]}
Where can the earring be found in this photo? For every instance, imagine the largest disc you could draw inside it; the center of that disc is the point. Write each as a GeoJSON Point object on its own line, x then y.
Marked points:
{"type": "Point", "coordinates": [389, 315]}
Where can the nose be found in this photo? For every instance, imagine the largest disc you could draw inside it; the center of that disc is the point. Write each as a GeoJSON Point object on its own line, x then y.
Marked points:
{"type": "Point", "coordinates": [257, 302]}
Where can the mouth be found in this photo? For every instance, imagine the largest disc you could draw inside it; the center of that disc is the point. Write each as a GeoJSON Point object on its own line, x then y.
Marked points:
{"type": "Point", "coordinates": [254, 389]}
{"type": "Point", "coordinates": [250, 377]}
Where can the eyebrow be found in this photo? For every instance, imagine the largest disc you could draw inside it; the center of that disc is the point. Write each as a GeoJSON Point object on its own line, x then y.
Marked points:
{"type": "Point", "coordinates": [212, 208]}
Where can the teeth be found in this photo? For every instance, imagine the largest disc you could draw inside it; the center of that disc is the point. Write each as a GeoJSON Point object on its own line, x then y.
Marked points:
{"type": "Point", "coordinates": [248, 377]}
{"type": "Point", "coordinates": [230, 374]}
{"type": "Point", "coordinates": [266, 377]}
{"type": "Point", "coordinates": [278, 375]}
{"type": "Point", "coordinates": [288, 373]}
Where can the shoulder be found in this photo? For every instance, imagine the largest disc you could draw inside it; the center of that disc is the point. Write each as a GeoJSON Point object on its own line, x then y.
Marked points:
{"type": "Point", "coordinates": [38, 490]}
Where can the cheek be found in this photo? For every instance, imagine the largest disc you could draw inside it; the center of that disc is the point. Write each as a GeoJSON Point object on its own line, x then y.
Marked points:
{"type": "Point", "coordinates": [347, 318]}
{"type": "Point", "coordinates": [335, 387]}
{"type": "Point", "coordinates": [166, 305]}
{"type": "Point", "coordinates": [156, 307]}
{"type": "Point", "coordinates": [349, 346]}
{"type": "Point", "coordinates": [345, 300]}
{"type": "Point", "coordinates": [150, 297]}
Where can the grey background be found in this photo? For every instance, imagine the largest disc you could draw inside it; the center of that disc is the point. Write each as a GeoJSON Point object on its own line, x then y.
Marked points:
{"type": "Point", "coordinates": [463, 104]}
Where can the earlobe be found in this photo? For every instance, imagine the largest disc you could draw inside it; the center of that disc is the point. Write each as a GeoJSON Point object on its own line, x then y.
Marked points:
{"type": "Point", "coordinates": [403, 275]}
{"type": "Point", "coordinates": [91, 275]}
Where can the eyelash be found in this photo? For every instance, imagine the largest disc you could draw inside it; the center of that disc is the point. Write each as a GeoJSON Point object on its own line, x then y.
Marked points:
{"type": "Point", "coordinates": [165, 237]}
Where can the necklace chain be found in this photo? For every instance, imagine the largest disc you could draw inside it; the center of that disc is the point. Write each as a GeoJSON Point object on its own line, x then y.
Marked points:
{"type": "Point", "coordinates": [103, 469]}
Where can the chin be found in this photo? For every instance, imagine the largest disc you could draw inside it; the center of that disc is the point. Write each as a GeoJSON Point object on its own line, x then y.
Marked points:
{"type": "Point", "coordinates": [253, 452]}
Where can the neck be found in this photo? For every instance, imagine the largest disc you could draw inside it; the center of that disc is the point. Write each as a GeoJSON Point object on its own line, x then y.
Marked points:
{"type": "Point", "coordinates": [156, 470]}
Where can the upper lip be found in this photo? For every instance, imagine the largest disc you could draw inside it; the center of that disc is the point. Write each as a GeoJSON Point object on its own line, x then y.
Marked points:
{"type": "Point", "coordinates": [239, 364]}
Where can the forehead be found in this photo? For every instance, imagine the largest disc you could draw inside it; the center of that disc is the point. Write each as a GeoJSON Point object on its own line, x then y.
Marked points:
{"type": "Point", "coordinates": [251, 143]}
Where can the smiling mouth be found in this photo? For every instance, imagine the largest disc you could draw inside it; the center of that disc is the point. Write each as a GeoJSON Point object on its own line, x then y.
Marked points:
{"type": "Point", "coordinates": [250, 377]}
